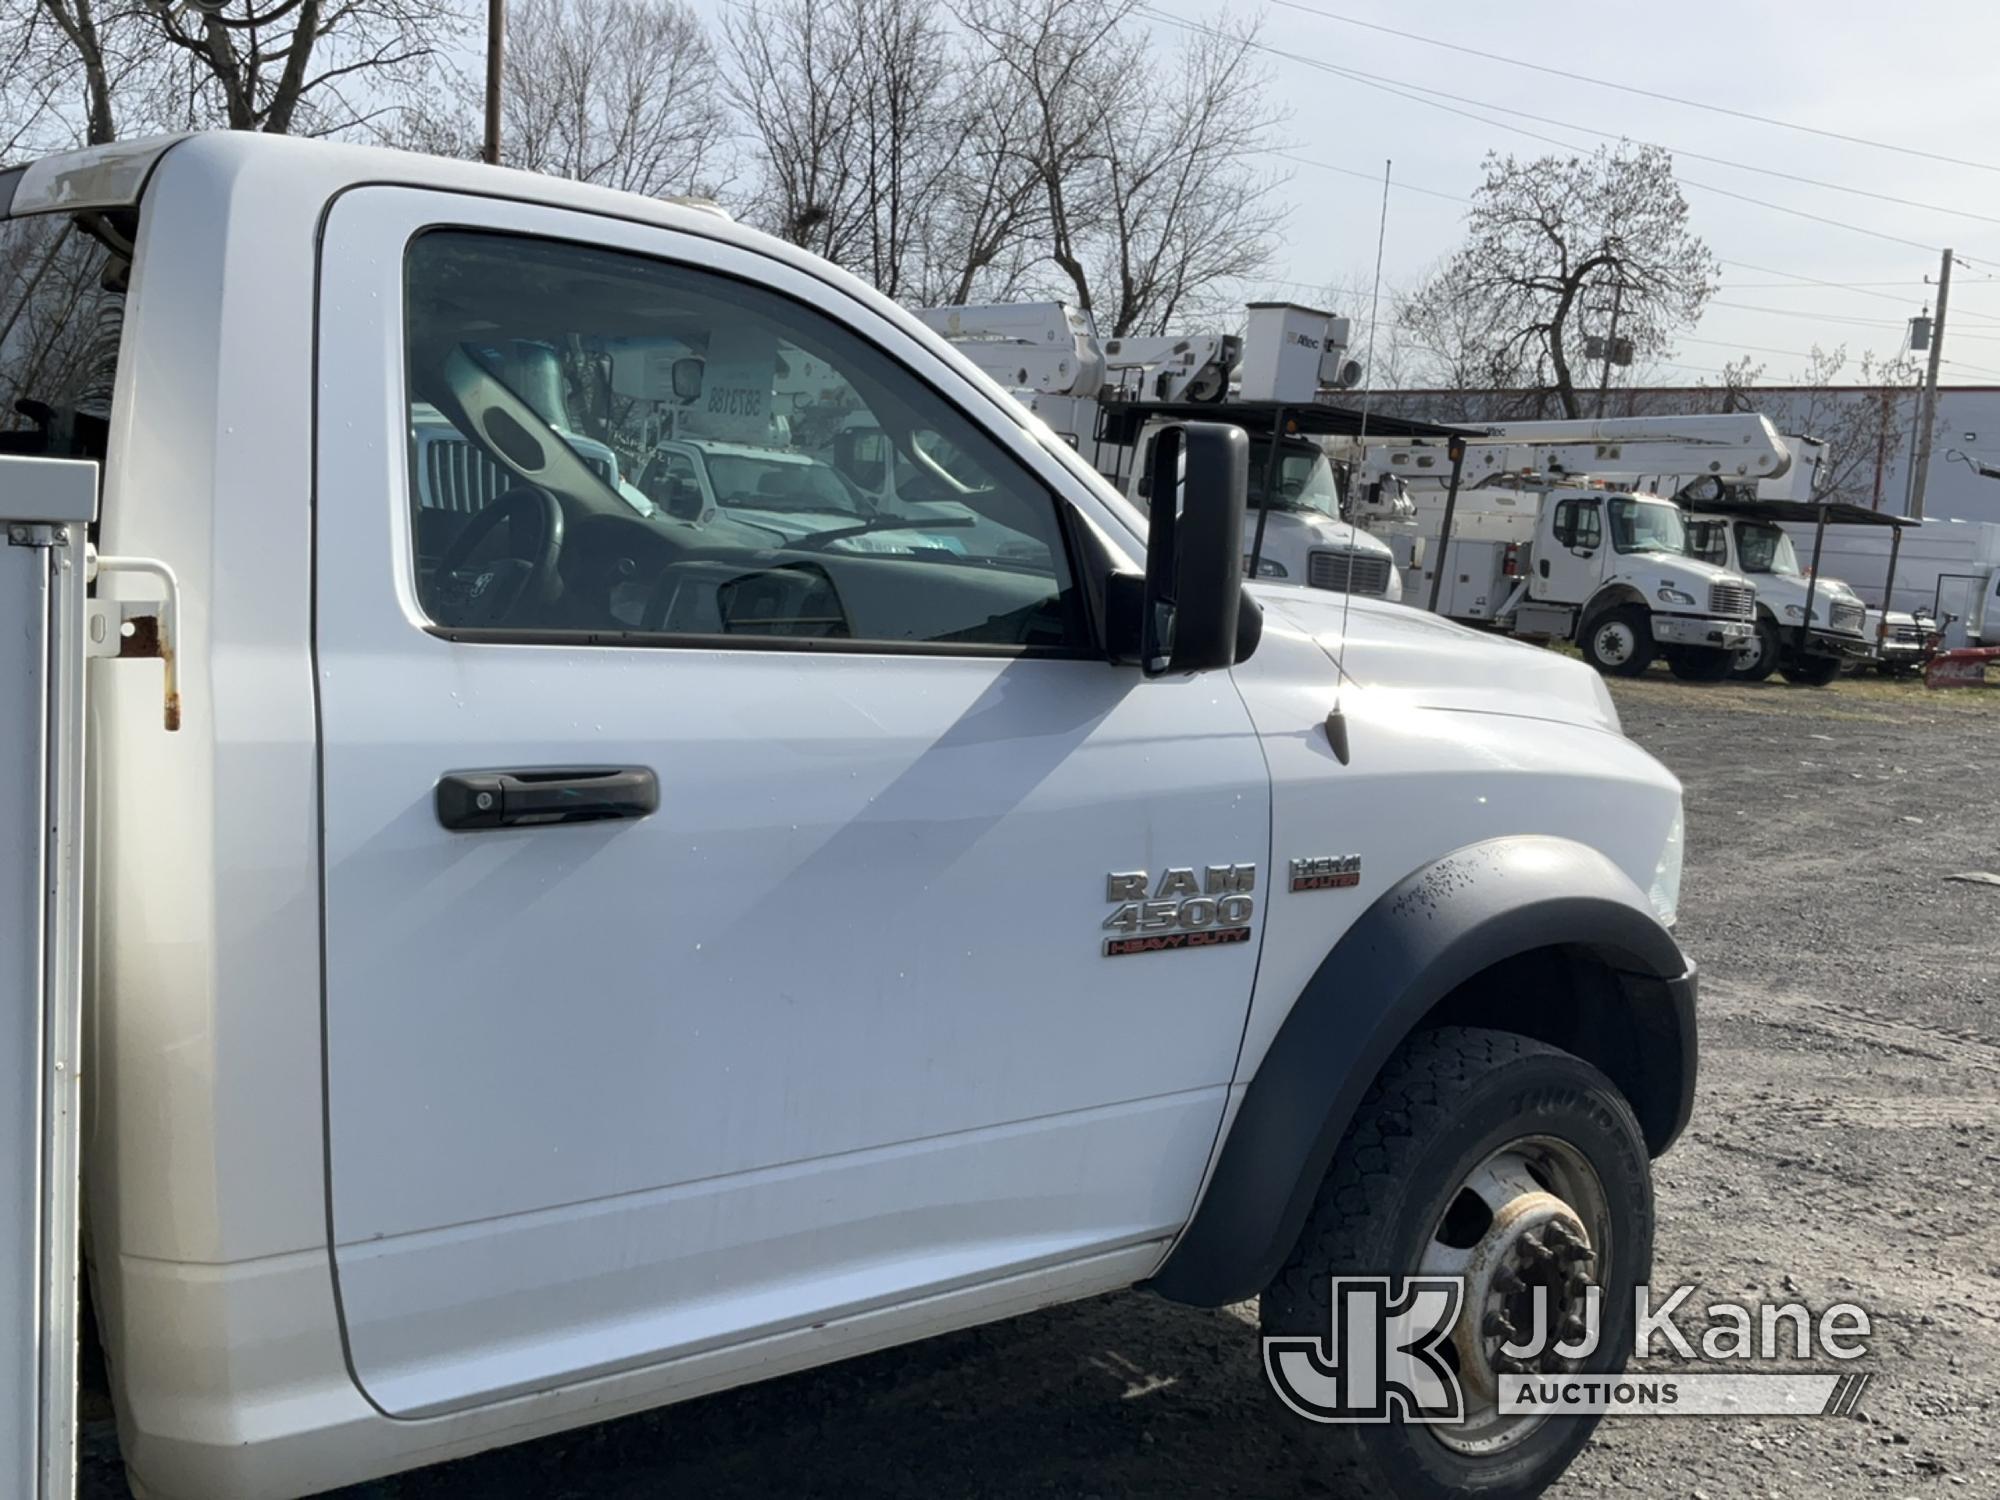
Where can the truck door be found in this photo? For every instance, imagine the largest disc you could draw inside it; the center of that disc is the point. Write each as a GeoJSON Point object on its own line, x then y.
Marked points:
{"type": "Point", "coordinates": [714, 913]}
{"type": "Point", "coordinates": [1567, 561]}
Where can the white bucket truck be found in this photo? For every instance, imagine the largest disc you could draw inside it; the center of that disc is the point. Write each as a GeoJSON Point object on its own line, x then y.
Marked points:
{"type": "Point", "coordinates": [571, 953]}
{"type": "Point", "coordinates": [1557, 530]}
{"type": "Point", "coordinates": [1108, 398]}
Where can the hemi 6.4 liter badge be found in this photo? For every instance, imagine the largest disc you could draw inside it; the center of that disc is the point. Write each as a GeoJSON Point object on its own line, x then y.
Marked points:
{"type": "Point", "coordinates": [1183, 910]}
{"type": "Point", "coordinates": [1332, 872]}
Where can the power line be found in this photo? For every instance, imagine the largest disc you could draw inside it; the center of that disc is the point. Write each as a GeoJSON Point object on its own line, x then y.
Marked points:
{"type": "Point", "coordinates": [1681, 151]}
{"type": "Point", "coordinates": [1818, 317]}
{"type": "Point", "coordinates": [1793, 286]}
{"type": "Point", "coordinates": [1843, 319]}
{"type": "Point", "coordinates": [1816, 281]}
{"type": "Point", "coordinates": [1327, 166]}
{"type": "Point", "coordinates": [1415, 94]}
{"type": "Point", "coordinates": [1958, 364]}
{"type": "Point", "coordinates": [1705, 105]}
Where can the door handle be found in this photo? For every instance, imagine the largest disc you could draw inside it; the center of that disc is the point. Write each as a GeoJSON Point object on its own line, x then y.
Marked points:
{"type": "Point", "coordinates": [470, 800]}
{"type": "Point", "coordinates": [1544, 566]}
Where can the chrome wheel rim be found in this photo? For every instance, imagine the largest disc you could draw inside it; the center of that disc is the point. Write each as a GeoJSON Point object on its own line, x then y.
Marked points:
{"type": "Point", "coordinates": [1616, 642]}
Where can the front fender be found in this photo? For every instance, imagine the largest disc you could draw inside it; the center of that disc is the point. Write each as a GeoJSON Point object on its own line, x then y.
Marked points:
{"type": "Point", "coordinates": [1422, 940]}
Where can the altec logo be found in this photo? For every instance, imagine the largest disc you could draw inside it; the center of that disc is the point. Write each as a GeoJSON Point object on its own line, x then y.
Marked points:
{"type": "Point", "coordinates": [1384, 1358]}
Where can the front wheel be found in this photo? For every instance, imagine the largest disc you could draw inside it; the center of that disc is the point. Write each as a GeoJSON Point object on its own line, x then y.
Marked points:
{"type": "Point", "coordinates": [1760, 658]}
{"type": "Point", "coordinates": [1516, 1168]}
{"type": "Point", "coordinates": [1619, 642]}
{"type": "Point", "coordinates": [1811, 671]}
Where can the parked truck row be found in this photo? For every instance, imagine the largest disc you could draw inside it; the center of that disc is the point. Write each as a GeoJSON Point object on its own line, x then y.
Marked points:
{"type": "Point", "coordinates": [1551, 530]}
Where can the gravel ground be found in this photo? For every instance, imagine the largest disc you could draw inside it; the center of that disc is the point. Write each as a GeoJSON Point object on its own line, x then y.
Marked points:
{"type": "Point", "coordinates": [1843, 1149]}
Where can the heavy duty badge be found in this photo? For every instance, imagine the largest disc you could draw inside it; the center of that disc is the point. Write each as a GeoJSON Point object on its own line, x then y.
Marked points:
{"type": "Point", "coordinates": [1183, 911]}
{"type": "Point", "coordinates": [1331, 872]}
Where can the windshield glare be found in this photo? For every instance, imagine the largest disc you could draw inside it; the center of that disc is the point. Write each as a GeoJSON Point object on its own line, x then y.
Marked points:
{"type": "Point", "coordinates": [775, 484]}
{"type": "Point", "coordinates": [1645, 525]}
{"type": "Point", "coordinates": [1763, 548]}
{"type": "Point", "coordinates": [1304, 480]}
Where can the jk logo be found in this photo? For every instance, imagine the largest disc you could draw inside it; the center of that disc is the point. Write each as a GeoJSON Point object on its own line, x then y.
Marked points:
{"type": "Point", "coordinates": [1382, 1358]}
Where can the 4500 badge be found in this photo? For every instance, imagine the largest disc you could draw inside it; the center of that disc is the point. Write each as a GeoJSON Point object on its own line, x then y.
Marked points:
{"type": "Point", "coordinates": [1184, 910]}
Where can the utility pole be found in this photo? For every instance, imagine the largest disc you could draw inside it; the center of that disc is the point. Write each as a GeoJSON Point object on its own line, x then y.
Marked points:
{"type": "Point", "coordinates": [1611, 342]}
{"type": "Point", "coordinates": [496, 46]}
{"type": "Point", "coordinates": [1921, 457]}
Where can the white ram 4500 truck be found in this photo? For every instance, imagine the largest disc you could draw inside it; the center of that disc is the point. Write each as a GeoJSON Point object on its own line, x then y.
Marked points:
{"type": "Point", "coordinates": [576, 954]}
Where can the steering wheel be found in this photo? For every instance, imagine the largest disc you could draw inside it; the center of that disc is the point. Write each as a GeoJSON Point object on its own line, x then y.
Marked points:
{"type": "Point", "coordinates": [488, 593]}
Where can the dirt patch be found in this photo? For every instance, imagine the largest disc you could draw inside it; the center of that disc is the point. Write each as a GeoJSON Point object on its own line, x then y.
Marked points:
{"type": "Point", "coordinates": [1844, 1148]}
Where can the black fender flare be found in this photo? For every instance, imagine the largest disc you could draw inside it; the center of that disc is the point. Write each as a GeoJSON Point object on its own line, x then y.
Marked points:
{"type": "Point", "coordinates": [1609, 596]}
{"type": "Point", "coordinates": [1421, 940]}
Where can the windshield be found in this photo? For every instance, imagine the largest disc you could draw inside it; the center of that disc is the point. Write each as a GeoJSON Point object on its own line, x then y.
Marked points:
{"type": "Point", "coordinates": [1645, 525]}
{"type": "Point", "coordinates": [1763, 548]}
{"type": "Point", "coordinates": [1304, 480]}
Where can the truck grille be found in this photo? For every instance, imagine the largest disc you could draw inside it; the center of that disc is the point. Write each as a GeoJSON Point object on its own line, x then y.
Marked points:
{"type": "Point", "coordinates": [1909, 634]}
{"type": "Point", "coordinates": [457, 476]}
{"type": "Point", "coordinates": [1346, 572]}
{"type": "Point", "coordinates": [1732, 600]}
{"type": "Point", "coordinates": [1848, 618]}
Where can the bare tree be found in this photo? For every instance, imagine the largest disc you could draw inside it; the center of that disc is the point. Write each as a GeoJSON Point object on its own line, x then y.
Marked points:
{"type": "Point", "coordinates": [853, 111]}
{"type": "Point", "coordinates": [617, 92]}
{"type": "Point", "coordinates": [1559, 247]}
{"type": "Point", "coordinates": [1148, 204]}
{"type": "Point", "coordinates": [1070, 67]}
{"type": "Point", "coordinates": [94, 73]}
{"type": "Point", "coordinates": [1453, 352]}
{"type": "Point", "coordinates": [1865, 423]}
{"type": "Point", "coordinates": [1188, 214]}
{"type": "Point", "coordinates": [981, 235]}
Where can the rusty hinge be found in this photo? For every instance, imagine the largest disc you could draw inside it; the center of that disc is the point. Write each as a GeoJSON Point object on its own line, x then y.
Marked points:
{"type": "Point", "coordinates": [139, 627]}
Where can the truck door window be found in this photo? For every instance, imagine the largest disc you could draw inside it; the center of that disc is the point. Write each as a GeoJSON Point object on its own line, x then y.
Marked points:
{"type": "Point", "coordinates": [1709, 541]}
{"type": "Point", "coordinates": [613, 446]}
{"type": "Point", "coordinates": [1578, 525]}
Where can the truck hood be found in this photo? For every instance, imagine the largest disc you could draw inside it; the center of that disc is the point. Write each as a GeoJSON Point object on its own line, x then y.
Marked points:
{"type": "Point", "coordinates": [1650, 568]}
{"type": "Point", "coordinates": [1404, 658]}
{"type": "Point", "coordinates": [1317, 529]}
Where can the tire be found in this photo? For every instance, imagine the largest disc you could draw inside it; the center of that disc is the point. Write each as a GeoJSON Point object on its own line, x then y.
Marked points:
{"type": "Point", "coordinates": [1762, 660]}
{"type": "Point", "coordinates": [1810, 671]}
{"type": "Point", "coordinates": [1619, 642]}
{"type": "Point", "coordinates": [1447, 1101]}
{"type": "Point", "coordinates": [1700, 663]}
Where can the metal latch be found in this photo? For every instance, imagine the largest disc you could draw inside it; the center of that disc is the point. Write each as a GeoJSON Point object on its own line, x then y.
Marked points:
{"type": "Point", "coordinates": [139, 627]}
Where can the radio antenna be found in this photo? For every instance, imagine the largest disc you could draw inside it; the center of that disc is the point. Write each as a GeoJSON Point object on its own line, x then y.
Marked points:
{"type": "Point", "coordinates": [1336, 721]}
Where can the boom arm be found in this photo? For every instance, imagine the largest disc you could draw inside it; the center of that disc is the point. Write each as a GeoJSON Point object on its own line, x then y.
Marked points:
{"type": "Point", "coordinates": [1738, 447]}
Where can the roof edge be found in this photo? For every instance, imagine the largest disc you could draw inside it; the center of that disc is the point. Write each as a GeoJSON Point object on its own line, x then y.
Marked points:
{"type": "Point", "coordinates": [92, 179]}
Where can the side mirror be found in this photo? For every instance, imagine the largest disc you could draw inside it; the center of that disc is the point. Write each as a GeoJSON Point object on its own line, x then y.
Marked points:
{"type": "Point", "coordinates": [1192, 607]}
{"type": "Point", "coordinates": [687, 379]}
